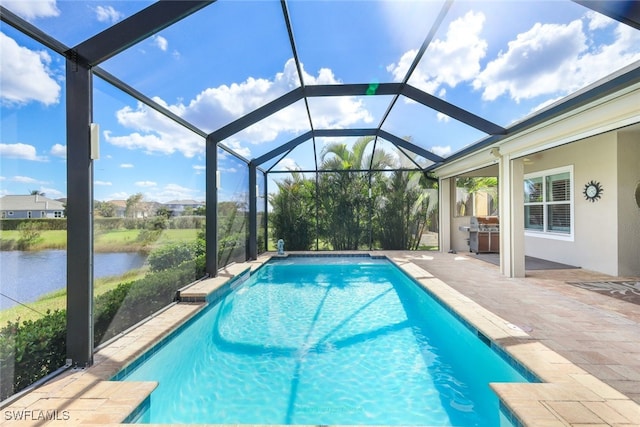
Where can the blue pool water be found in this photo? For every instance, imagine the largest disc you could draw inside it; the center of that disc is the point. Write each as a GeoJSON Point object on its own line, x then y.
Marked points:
{"type": "Point", "coordinates": [326, 341]}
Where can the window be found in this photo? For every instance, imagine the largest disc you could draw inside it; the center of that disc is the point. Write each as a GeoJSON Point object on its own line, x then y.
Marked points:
{"type": "Point", "coordinates": [57, 214]}
{"type": "Point", "coordinates": [28, 214]}
{"type": "Point", "coordinates": [548, 202]}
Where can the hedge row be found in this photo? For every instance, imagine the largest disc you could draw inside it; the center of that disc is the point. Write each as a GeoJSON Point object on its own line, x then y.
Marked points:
{"type": "Point", "coordinates": [44, 223]}
{"type": "Point", "coordinates": [107, 224]}
{"type": "Point", "coordinates": [179, 222]}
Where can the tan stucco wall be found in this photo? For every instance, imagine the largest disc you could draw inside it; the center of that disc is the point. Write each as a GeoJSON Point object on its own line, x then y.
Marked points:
{"type": "Point", "coordinates": [595, 243]}
{"type": "Point", "coordinates": [628, 210]}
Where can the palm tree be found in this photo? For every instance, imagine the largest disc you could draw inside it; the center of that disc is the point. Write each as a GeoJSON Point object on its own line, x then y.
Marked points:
{"type": "Point", "coordinates": [344, 196]}
{"type": "Point", "coordinates": [293, 212]}
{"type": "Point", "coordinates": [336, 156]}
{"type": "Point", "coordinates": [405, 207]}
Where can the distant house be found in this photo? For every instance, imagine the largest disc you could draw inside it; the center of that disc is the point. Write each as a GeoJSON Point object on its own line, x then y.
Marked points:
{"type": "Point", "coordinates": [141, 210]}
{"type": "Point", "coordinates": [121, 207]}
{"type": "Point", "coordinates": [177, 207]}
{"type": "Point", "coordinates": [30, 206]}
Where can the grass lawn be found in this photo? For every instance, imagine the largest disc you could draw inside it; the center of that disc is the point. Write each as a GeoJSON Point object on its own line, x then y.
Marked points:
{"type": "Point", "coordinates": [107, 241]}
{"type": "Point", "coordinates": [57, 300]}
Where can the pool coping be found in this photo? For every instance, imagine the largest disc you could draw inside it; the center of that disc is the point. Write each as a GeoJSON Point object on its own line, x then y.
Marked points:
{"type": "Point", "coordinates": [568, 395]}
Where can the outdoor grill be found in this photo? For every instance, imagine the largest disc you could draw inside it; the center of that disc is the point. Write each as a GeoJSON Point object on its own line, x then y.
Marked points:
{"type": "Point", "coordinates": [484, 234]}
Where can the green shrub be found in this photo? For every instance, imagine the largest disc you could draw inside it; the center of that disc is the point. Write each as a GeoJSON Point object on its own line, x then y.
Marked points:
{"type": "Point", "coordinates": [129, 303]}
{"type": "Point", "coordinates": [30, 234]}
{"type": "Point", "coordinates": [108, 224]}
{"type": "Point", "coordinates": [170, 256]}
{"type": "Point", "coordinates": [106, 307]}
{"type": "Point", "coordinates": [8, 245]}
{"type": "Point", "coordinates": [184, 222]}
{"type": "Point", "coordinates": [30, 350]}
{"type": "Point", "coordinates": [147, 237]}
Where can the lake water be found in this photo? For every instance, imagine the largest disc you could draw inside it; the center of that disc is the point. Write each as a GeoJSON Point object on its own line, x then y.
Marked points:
{"type": "Point", "coordinates": [26, 275]}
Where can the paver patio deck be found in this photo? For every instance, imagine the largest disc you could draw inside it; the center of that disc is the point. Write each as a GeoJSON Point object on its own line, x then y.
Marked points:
{"type": "Point", "coordinates": [584, 345]}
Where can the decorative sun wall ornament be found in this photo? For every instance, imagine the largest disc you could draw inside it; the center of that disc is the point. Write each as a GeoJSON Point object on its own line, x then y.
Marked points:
{"type": "Point", "coordinates": [592, 191]}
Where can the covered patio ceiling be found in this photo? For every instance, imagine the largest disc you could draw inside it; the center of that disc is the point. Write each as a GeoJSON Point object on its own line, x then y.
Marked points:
{"type": "Point", "coordinates": [412, 93]}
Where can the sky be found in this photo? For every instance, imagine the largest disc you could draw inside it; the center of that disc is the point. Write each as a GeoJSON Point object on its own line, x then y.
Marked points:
{"type": "Point", "coordinates": [501, 60]}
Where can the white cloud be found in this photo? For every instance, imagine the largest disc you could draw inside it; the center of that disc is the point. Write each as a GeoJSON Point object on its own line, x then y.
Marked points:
{"type": "Point", "coordinates": [52, 193]}
{"type": "Point", "coordinates": [441, 151]}
{"type": "Point", "coordinates": [598, 21]}
{"type": "Point", "coordinates": [25, 75]}
{"type": "Point", "coordinates": [108, 14]}
{"type": "Point", "coordinates": [200, 167]}
{"type": "Point", "coordinates": [122, 195]}
{"type": "Point", "coordinates": [534, 63]}
{"type": "Point", "coordinates": [20, 151]}
{"type": "Point", "coordinates": [230, 170]}
{"type": "Point", "coordinates": [443, 117]}
{"type": "Point", "coordinates": [126, 165]}
{"type": "Point", "coordinates": [146, 184]}
{"type": "Point", "coordinates": [552, 59]}
{"type": "Point", "coordinates": [31, 10]}
{"type": "Point", "coordinates": [59, 150]}
{"type": "Point", "coordinates": [237, 147]}
{"type": "Point", "coordinates": [450, 61]}
{"type": "Point", "coordinates": [26, 180]}
{"type": "Point", "coordinates": [161, 42]}
{"type": "Point", "coordinates": [154, 133]}
{"type": "Point", "coordinates": [103, 183]}
{"type": "Point", "coordinates": [328, 113]}
{"type": "Point", "coordinates": [215, 107]}
{"type": "Point", "coordinates": [172, 192]}
{"type": "Point", "coordinates": [548, 59]}
{"type": "Point", "coordinates": [288, 164]}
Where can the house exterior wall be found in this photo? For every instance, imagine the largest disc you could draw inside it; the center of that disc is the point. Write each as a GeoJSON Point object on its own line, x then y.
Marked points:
{"type": "Point", "coordinates": [30, 206]}
{"type": "Point", "coordinates": [595, 241]}
{"type": "Point", "coordinates": [628, 210]}
{"type": "Point", "coordinates": [19, 214]}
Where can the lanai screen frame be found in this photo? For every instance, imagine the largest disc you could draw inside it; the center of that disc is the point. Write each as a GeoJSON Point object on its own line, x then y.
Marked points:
{"type": "Point", "coordinates": [82, 64]}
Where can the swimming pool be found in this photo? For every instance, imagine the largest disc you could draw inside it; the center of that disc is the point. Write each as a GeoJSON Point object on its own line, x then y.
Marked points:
{"type": "Point", "coordinates": [325, 341]}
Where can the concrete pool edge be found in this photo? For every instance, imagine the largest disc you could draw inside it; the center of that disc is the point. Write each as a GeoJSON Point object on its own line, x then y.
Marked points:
{"type": "Point", "coordinates": [568, 395]}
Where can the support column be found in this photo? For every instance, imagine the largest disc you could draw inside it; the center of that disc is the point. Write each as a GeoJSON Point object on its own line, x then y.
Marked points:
{"type": "Point", "coordinates": [444, 204]}
{"type": "Point", "coordinates": [253, 212]}
{"type": "Point", "coordinates": [266, 211]}
{"type": "Point", "coordinates": [510, 181]}
{"type": "Point", "coordinates": [211, 225]}
{"type": "Point", "coordinates": [79, 215]}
